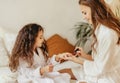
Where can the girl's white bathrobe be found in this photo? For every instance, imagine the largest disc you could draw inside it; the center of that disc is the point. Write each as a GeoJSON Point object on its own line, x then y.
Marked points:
{"type": "Point", "coordinates": [27, 74]}
{"type": "Point", "coordinates": [106, 65]}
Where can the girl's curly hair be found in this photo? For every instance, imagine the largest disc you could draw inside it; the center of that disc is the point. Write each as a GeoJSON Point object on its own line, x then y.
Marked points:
{"type": "Point", "coordinates": [24, 45]}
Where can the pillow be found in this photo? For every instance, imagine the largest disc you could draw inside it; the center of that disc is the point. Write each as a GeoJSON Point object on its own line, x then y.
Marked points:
{"type": "Point", "coordinates": [4, 59]}
{"type": "Point", "coordinates": [9, 40]}
{"type": "Point", "coordinates": [56, 44]}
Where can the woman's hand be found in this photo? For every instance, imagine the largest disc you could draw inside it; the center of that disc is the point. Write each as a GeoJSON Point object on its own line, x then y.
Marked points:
{"type": "Point", "coordinates": [68, 56]}
{"type": "Point", "coordinates": [48, 68]}
{"type": "Point", "coordinates": [79, 52]}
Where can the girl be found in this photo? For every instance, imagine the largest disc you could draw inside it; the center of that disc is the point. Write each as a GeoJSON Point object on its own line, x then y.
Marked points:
{"type": "Point", "coordinates": [29, 57]}
{"type": "Point", "coordinates": [104, 64]}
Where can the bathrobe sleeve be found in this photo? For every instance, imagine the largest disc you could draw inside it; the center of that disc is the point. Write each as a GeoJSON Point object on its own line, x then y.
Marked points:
{"type": "Point", "coordinates": [107, 40]}
{"type": "Point", "coordinates": [28, 72]}
{"type": "Point", "coordinates": [53, 61]}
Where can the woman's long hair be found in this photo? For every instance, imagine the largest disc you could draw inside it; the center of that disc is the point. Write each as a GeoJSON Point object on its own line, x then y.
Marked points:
{"type": "Point", "coordinates": [101, 14]}
{"type": "Point", "coordinates": [24, 45]}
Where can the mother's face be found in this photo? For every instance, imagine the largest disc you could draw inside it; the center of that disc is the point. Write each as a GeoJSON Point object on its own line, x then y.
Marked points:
{"type": "Point", "coordinates": [86, 12]}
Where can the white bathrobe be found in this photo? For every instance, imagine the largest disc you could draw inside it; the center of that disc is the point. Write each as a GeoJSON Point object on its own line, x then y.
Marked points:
{"type": "Point", "coordinates": [27, 74]}
{"type": "Point", "coordinates": [106, 65]}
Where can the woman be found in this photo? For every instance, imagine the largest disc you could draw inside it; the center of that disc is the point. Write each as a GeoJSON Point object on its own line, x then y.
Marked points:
{"type": "Point", "coordinates": [104, 64]}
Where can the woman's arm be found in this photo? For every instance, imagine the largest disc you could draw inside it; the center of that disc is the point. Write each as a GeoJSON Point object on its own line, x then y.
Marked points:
{"type": "Point", "coordinates": [73, 58]}
{"type": "Point", "coordinates": [88, 57]}
{"type": "Point", "coordinates": [80, 52]}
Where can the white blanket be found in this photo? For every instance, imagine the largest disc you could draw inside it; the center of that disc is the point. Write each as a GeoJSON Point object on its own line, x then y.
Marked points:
{"type": "Point", "coordinates": [6, 76]}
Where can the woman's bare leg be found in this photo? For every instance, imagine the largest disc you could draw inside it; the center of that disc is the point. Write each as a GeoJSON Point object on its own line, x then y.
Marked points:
{"type": "Point", "coordinates": [69, 71]}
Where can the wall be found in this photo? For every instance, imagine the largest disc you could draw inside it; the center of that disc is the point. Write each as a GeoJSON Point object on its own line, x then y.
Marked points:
{"type": "Point", "coordinates": [56, 16]}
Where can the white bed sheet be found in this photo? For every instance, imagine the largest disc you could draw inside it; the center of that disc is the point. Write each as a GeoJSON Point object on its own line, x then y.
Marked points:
{"type": "Point", "coordinates": [6, 76]}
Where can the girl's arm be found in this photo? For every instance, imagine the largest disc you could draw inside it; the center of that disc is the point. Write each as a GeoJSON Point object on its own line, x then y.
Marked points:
{"type": "Point", "coordinates": [56, 59]}
{"type": "Point", "coordinates": [38, 71]}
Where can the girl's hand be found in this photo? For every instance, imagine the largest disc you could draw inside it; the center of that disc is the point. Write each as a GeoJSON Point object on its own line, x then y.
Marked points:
{"type": "Point", "coordinates": [61, 56]}
{"type": "Point", "coordinates": [48, 68]}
